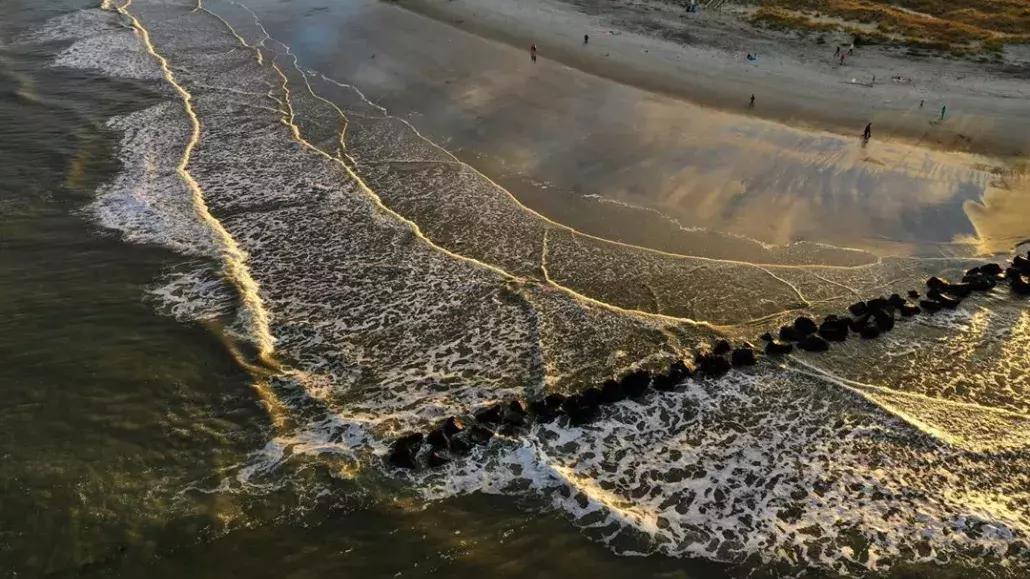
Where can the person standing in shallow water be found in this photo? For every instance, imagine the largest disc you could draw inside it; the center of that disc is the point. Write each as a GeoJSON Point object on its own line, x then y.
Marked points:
{"type": "Point", "coordinates": [868, 133]}
{"type": "Point", "coordinates": [944, 110]}
{"type": "Point", "coordinates": [586, 39]}
{"type": "Point", "coordinates": [532, 52]}
{"type": "Point", "coordinates": [752, 103]}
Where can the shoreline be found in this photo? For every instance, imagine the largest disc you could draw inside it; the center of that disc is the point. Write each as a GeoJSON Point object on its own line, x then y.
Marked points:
{"type": "Point", "coordinates": [791, 89]}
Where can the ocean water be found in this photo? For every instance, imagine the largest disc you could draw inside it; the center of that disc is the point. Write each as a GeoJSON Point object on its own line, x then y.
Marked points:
{"type": "Point", "coordinates": [232, 279]}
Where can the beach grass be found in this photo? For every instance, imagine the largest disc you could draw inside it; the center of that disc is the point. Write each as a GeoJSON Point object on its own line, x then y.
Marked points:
{"type": "Point", "coordinates": [941, 24]}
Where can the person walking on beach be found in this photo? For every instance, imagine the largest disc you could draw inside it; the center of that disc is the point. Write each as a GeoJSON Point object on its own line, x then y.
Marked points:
{"type": "Point", "coordinates": [868, 132]}
{"type": "Point", "coordinates": [842, 57]}
{"type": "Point", "coordinates": [586, 38]}
{"type": "Point", "coordinates": [920, 103]}
{"type": "Point", "coordinates": [532, 52]}
{"type": "Point", "coordinates": [944, 110]}
{"type": "Point", "coordinates": [837, 52]}
{"type": "Point", "coordinates": [752, 104]}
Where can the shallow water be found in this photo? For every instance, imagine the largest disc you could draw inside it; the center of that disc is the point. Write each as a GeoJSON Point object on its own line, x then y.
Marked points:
{"type": "Point", "coordinates": [245, 275]}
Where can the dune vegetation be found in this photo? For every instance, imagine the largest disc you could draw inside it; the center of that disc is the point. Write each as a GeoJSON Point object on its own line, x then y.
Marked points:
{"type": "Point", "coordinates": [947, 25]}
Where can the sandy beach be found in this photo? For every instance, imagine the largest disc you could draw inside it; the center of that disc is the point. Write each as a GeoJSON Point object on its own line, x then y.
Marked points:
{"type": "Point", "coordinates": [670, 157]}
{"type": "Point", "coordinates": [701, 57]}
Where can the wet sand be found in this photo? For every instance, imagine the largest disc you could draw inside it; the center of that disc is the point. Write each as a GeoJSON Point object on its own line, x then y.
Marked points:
{"type": "Point", "coordinates": [644, 168]}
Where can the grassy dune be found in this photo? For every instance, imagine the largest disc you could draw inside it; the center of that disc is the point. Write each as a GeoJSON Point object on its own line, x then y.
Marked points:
{"type": "Point", "coordinates": [950, 25]}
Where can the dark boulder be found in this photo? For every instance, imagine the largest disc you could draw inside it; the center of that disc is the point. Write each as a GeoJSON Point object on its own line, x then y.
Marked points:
{"type": "Point", "coordinates": [834, 329]}
{"type": "Point", "coordinates": [896, 300]}
{"type": "Point", "coordinates": [402, 454]}
{"type": "Point", "coordinates": [636, 383]}
{"type": "Point", "coordinates": [722, 347]}
{"type": "Point", "coordinates": [663, 383]}
{"type": "Point", "coordinates": [858, 309]}
{"type": "Point", "coordinates": [712, 365]}
{"type": "Point", "coordinates": [578, 410]}
{"type": "Point", "coordinates": [514, 414]}
{"type": "Point", "coordinates": [789, 334]}
{"type": "Point", "coordinates": [973, 271]}
{"type": "Point", "coordinates": [436, 459]}
{"type": "Point", "coordinates": [878, 305]}
{"type": "Point", "coordinates": [680, 371]}
{"type": "Point", "coordinates": [814, 343]}
{"type": "Point", "coordinates": [612, 392]}
{"type": "Point", "coordinates": [884, 321]}
{"type": "Point", "coordinates": [452, 426]}
{"type": "Point", "coordinates": [479, 435]}
{"type": "Point", "coordinates": [1020, 284]}
{"type": "Point", "coordinates": [767, 337]}
{"type": "Point", "coordinates": [743, 356]}
{"type": "Point", "coordinates": [592, 397]}
{"type": "Point", "coordinates": [948, 301]}
{"type": "Point", "coordinates": [437, 438]}
{"type": "Point", "coordinates": [908, 310]}
{"type": "Point", "coordinates": [857, 324]}
{"type": "Point", "coordinates": [1021, 264]}
{"type": "Point", "coordinates": [554, 400]}
{"type": "Point", "coordinates": [778, 348]}
{"type": "Point", "coordinates": [937, 283]}
{"type": "Point", "coordinates": [489, 415]}
{"type": "Point", "coordinates": [460, 445]}
{"type": "Point", "coordinates": [913, 294]}
{"type": "Point", "coordinates": [992, 269]}
{"type": "Point", "coordinates": [805, 326]}
{"type": "Point", "coordinates": [930, 306]}
{"type": "Point", "coordinates": [980, 282]}
{"type": "Point", "coordinates": [961, 290]}
{"type": "Point", "coordinates": [869, 332]}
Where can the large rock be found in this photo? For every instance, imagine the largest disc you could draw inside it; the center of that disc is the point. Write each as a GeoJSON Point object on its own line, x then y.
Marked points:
{"type": "Point", "coordinates": [1020, 284]}
{"type": "Point", "coordinates": [712, 365]}
{"type": "Point", "coordinates": [992, 269]}
{"type": "Point", "coordinates": [489, 415]}
{"type": "Point", "coordinates": [404, 450]}
{"type": "Point", "coordinates": [869, 332]}
{"type": "Point", "coordinates": [743, 356]}
{"type": "Point", "coordinates": [961, 290]}
{"type": "Point", "coordinates": [514, 413]}
{"type": "Point", "coordinates": [636, 383]}
{"type": "Point", "coordinates": [814, 343]}
{"type": "Point", "coordinates": [930, 306]}
{"type": "Point", "coordinates": [578, 410]}
{"type": "Point", "coordinates": [479, 435]}
{"type": "Point", "coordinates": [612, 392]}
{"type": "Point", "coordinates": [913, 294]}
{"type": "Point", "coordinates": [805, 326]}
{"type": "Point", "coordinates": [789, 334]}
{"type": "Point", "coordinates": [1021, 264]}
{"type": "Point", "coordinates": [884, 321]}
{"type": "Point", "coordinates": [437, 438]}
{"type": "Point", "coordinates": [878, 305]}
{"type": "Point", "coordinates": [452, 426]}
{"type": "Point", "coordinates": [937, 283]}
{"type": "Point", "coordinates": [857, 324]}
{"type": "Point", "coordinates": [778, 348]}
{"type": "Point", "coordinates": [722, 347]}
{"type": "Point", "coordinates": [833, 329]}
{"type": "Point", "coordinates": [858, 309]}
{"type": "Point", "coordinates": [980, 282]}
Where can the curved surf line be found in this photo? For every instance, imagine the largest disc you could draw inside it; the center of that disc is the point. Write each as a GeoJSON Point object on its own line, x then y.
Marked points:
{"type": "Point", "coordinates": [232, 256]}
